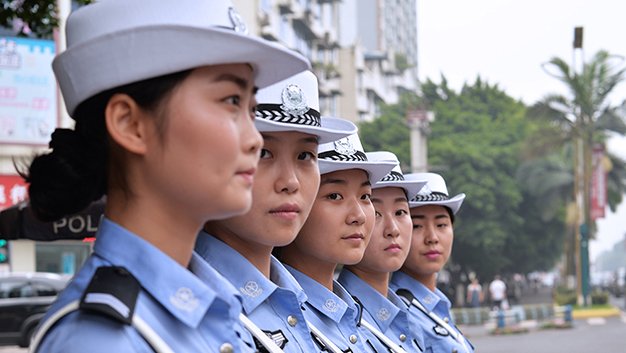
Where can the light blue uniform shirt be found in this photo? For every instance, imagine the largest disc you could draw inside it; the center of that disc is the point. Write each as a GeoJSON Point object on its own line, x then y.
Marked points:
{"type": "Point", "coordinates": [335, 314]}
{"type": "Point", "coordinates": [193, 310]}
{"type": "Point", "coordinates": [388, 314]}
{"type": "Point", "coordinates": [274, 305]}
{"type": "Point", "coordinates": [436, 339]}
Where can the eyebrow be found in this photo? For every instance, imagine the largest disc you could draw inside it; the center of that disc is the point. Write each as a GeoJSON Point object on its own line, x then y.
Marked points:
{"type": "Point", "coordinates": [241, 82]}
{"type": "Point", "coordinates": [333, 181]}
{"type": "Point", "coordinates": [439, 216]}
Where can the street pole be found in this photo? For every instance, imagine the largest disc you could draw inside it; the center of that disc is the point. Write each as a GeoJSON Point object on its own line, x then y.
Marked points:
{"type": "Point", "coordinates": [581, 186]}
{"type": "Point", "coordinates": [419, 121]}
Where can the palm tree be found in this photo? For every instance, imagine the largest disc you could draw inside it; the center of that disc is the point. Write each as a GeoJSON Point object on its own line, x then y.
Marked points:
{"type": "Point", "coordinates": [585, 117]}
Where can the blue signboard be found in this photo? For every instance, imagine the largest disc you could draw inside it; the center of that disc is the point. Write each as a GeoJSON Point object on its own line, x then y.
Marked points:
{"type": "Point", "coordinates": [28, 98]}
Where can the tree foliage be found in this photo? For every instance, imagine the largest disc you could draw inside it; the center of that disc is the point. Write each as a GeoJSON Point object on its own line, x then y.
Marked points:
{"type": "Point", "coordinates": [477, 143]}
{"type": "Point", "coordinates": [32, 18]}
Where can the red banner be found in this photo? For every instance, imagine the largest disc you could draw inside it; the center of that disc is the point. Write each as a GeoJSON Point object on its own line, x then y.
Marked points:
{"type": "Point", "coordinates": [13, 190]}
{"type": "Point", "coordinates": [598, 184]}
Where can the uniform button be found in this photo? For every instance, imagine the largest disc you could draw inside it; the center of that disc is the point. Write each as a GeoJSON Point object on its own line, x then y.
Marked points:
{"type": "Point", "coordinates": [455, 351]}
{"type": "Point", "coordinates": [353, 339]}
{"type": "Point", "coordinates": [292, 320]}
{"type": "Point", "coordinates": [402, 337]}
{"type": "Point", "coordinates": [446, 319]}
{"type": "Point", "coordinates": [226, 348]}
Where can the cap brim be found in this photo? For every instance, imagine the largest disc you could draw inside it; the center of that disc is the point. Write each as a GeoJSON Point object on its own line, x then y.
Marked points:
{"type": "Point", "coordinates": [454, 203]}
{"type": "Point", "coordinates": [161, 50]}
{"type": "Point", "coordinates": [376, 170]}
{"type": "Point", "coordinates": [332, 129]}
{"type": "Point", "coordinates": [411, 187]}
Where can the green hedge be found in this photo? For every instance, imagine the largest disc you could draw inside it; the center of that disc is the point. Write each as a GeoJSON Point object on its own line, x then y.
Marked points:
{"type": "Point", "coordinates": [565, 296]}
{"type": "Point", "coordinates": [599, 297]}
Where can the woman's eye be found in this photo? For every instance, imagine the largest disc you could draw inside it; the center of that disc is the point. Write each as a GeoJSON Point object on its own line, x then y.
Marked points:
{"type": "Point", "coordinates": [401, 212]}
{"type": "Point", "coordinates": [366, 197]}
{"type": "Point", "coordinates": [265, 153]}
{"type": "Point", "coordinates": [234, 100]}
{"type": "Point", "coordinates": [334, 196]}
{"type": "Point", "coordinates": [306, 156]}
{"type": "Point", "coordinates": [378, 214]}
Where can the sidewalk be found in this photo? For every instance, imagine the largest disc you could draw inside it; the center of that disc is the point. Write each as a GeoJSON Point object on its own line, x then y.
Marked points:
{"type": "Point", "coordinates": [544, 298]}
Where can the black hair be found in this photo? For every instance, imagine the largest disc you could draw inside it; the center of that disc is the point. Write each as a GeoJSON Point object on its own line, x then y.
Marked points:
{"type": "Point", "coordinates": [74, 174]}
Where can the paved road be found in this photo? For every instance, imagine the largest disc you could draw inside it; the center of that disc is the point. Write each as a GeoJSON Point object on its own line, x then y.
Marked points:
{"type": "Point", "coordinates": [592, 335]}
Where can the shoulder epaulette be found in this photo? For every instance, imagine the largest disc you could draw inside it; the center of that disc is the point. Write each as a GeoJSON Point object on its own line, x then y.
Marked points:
{"type": "Point", "coordinates": [113, 291]}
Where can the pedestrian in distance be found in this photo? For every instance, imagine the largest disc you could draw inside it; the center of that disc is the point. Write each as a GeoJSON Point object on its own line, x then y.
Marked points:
{"type": "Point", "coordinates": [285, 185]}
{"type": "Point", "coordinates": [337, 232]}
{"type": "Point", "coordinates": [387, 250]}
{"type": "Point", "coordinates": [432, 213]}
{"type": "Point", "coordinates": [475, 295]}
{"type": "Point", "coordinates": [497, 293]}
{"type": "Point", "coordinates": [162, 95]}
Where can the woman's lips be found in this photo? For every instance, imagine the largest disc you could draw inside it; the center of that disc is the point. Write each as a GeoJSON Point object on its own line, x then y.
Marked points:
{"type": "Point", "coordinates": [432, 255]}
{"type": "Point", "coordinates": [393, 248]}
{"type": "Point", "coordinates": [286, 211]}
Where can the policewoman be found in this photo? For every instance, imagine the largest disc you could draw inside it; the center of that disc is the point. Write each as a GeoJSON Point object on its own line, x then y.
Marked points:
{"type": "Point", "coordinates": [387, 250]}
{"type": "Point", "coordinates": [432, 213]}
{"type": "Point", "coordinates": [336, 232]}
{"type": "Point", "coordinates": [285, 185]}
{"type": "Point", "coordinates": [163, 99]}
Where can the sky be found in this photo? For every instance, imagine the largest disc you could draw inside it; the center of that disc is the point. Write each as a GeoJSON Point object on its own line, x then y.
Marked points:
{"type": "Point", "coordinates": [505, 42]}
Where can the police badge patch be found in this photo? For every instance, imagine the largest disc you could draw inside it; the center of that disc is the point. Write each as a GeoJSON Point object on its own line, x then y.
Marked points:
{"type": "Point", "coordinates": [383, 314]}
{"type": "Point", "coordinates": [294, 102]}
{"type": "Point", "coordinates": [331, 305]}
{"type": "Point", "coordinates": [251, 289]}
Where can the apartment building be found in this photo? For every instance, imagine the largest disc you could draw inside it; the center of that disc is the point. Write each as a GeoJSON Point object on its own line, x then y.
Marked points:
{"type": "Point", "coordinates": [364, 52]}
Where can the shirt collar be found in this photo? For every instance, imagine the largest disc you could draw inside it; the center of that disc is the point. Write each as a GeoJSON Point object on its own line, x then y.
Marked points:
{"type": "Point", "coordinates": [380, 308]}
{"type": "Point", "coordinates": [285, 280]}
{"type": "Point", "coordinates": [428, 298]}
{"type": "Point", "coordinates": [253, 286]}
{"type": "Point", "coordinates": [183, 293]}
{"type": "Point", "coordinates": [322, 299]}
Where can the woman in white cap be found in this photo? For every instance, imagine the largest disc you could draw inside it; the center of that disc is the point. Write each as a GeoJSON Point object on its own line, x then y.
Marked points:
{"type": "Point", "coordinates": [163, 98]}
{"type": "Point", "coordinates": [285, 184]}
{"type": "Point", "coordinates": [432, 212]}
{"type": "Point", "coordinates": [384, 312]}
{"type": "Point", "coordinates": [336, 232]}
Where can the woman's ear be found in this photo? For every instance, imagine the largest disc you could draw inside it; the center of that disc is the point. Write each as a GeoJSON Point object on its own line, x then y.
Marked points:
{"type": "Point", "coordinates": [127, 124]}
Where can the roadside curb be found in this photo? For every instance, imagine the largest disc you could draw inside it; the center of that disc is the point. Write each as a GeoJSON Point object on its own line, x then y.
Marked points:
{"type": "Point", "coordinates": [591, 313]}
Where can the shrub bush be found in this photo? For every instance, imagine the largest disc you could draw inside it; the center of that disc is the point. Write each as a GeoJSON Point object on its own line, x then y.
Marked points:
{"type": "Point", "coordinates": [599, 298]}
{"type": "Point", "coordinates": [565, 296]}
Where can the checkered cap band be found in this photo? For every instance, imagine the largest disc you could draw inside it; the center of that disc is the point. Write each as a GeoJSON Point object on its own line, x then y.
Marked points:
{"type": "Point", "coordinates": [435, 196]}
{"type": "Point", "coordinates": [358, 156]}
{"type": "Point", "coordinates": [393, 176]}
{"type": "Point", "coordinates": [274, 112]}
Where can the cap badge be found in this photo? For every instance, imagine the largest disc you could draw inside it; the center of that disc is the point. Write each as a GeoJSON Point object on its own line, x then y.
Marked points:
{"type": "Point", "coordinates": [235, 18]}
{"type": "Point", "coordinates": [344, 146]}
{"type": "Point", "coordinates": [294, 101]}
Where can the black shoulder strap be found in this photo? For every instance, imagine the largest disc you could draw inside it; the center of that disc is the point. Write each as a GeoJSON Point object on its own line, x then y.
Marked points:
{"type": "Point", "coordinates": [113, 292]}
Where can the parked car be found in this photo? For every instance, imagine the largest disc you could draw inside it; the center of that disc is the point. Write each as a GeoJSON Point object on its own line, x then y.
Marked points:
{"type": "Point", "coordinates": [24, 299]}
